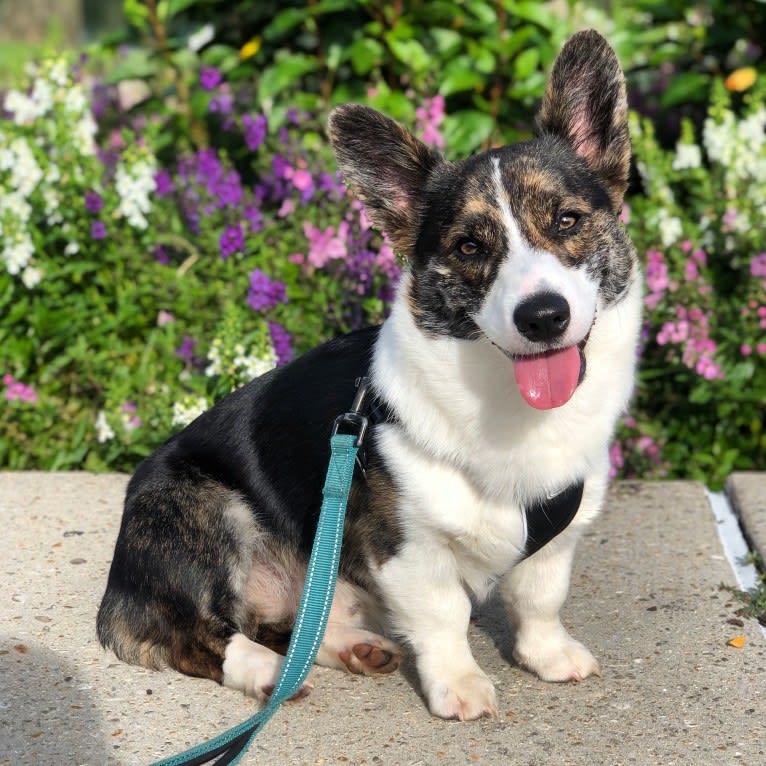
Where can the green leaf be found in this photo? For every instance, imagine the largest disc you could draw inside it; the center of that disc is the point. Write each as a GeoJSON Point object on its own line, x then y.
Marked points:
{"type": "Point", "coordinates": [448, 41]}
{"type": "Point", "coordinates": [484, 12]}
{"type": "Point", "coordinates": [365, 54]}
{"type": "Point", "coordinates": [466, 130]}
{"type": "Point", "coordinates": [285, 73]}
{"type": "Point", "coordinates": [173, 7]}
{"type": "Point", "coordinates": [459, 76]}
{"type": "Point", "coordinates": [537, 13]}
{"type": "Point", "coordinates": [137, 65]}
{"type": "Point", "coordinates": [689, 86]}
{"type": "Point", "coordinates": [285, 21]}
{"type": "Point", "coordinates": [525, 63]}
{"type": "Point", "coordinates": [409, 52]}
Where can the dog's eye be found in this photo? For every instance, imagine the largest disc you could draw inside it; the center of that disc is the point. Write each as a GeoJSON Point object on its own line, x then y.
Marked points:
{"type": "Point", "coordinates": [567, 221]}
{"type": "Point", "coordinates": [468, 248]}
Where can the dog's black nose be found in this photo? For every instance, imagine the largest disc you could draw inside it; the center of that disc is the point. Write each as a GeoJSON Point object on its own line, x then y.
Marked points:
{"type": "Point", "coordinates": [542, 318]}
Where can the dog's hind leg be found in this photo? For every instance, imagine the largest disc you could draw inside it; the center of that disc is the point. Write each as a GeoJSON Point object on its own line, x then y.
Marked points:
{"type": "Point", "coordinates": [254, 668]}
{"type": "Point", "coordinates": [351, 641]}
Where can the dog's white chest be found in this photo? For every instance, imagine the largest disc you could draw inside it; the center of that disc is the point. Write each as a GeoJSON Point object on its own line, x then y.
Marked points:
{"type": "Point", "coordinates": [486, 537]}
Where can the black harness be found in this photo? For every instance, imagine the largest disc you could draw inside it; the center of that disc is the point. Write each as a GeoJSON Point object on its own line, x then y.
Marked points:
{"type": "Point", "coordinates": [545, 517]}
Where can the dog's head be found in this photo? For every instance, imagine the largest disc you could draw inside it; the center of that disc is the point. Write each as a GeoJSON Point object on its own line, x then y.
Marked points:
{"type": "Point", "coordinates": [520, 245]}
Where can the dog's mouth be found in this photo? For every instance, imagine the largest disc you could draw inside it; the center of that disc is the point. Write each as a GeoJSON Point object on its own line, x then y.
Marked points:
{"type": "Point", "coordinates": [549, 379]}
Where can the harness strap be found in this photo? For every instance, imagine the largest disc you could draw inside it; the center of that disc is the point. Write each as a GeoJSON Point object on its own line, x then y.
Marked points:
{"type": "Point", "coordinates": [550, 516]}
{"type": "Point", "coordinates": [544, 518]}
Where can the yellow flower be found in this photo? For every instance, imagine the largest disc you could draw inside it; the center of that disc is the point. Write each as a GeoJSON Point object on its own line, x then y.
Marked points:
{"type": "Point", "coordinates": [741, 79]}
{"type": "Point", "coordinates": [250, 48]}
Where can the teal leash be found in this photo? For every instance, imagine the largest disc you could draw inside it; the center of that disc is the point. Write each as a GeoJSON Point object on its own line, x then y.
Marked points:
{"type": "Point", "coordinates": [319, 588]}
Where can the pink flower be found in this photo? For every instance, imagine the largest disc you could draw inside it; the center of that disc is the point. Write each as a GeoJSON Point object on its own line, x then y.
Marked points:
{"type": "Point", "coordinates": [761, 348]}
{"type": "Point", "coordinates": [691, 272]}
{"type": "Point", "coordinates": [165, 318]}
{"type": "Point", "coordinates": [17, 391]}
{"type": "Point", "coordinates": [302, 180]}
{"type": "Point", "coordinates": [429, 117]}
{"type": "Point", "coordinates": [758, 265]}
{"type": "Point", "coordinates": [325, 245]}
{"type": "Point", "coordinates": [745, 349]}
{"type": "Point", "coordinates": [656, 271]}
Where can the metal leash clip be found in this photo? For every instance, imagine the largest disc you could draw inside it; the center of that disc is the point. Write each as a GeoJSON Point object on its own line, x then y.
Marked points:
{"type": "Point", "coordinates": [353, 422]}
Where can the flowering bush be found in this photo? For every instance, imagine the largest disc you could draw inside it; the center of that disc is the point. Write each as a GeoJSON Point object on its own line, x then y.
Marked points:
{"type": "Point", "coordinates": [146, 270]}
{"type": "Point", "coordinates": [136, 287]}
{"type": "Point", "coordinates": [700, 225]}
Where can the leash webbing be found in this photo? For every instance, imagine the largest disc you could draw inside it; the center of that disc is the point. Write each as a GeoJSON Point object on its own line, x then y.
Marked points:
{"type": "Point", "coordinates": [313, 612]}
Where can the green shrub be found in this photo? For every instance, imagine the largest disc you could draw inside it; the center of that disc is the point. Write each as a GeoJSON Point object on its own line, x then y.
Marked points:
{"type": "Point", "coordinates": [699, 224]}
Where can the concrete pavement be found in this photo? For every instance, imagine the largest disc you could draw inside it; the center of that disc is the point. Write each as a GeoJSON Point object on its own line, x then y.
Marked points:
{"type": "Point", "coordinates": [646, 598]}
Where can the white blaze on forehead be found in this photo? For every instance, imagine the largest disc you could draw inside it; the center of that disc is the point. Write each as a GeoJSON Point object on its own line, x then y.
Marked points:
{"type": "Point", "coordinates": [526, 271]}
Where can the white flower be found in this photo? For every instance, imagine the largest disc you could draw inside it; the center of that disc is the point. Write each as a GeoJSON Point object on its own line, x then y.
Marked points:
{"type": "Point", "coordinates": [253, 366]}
{"type": "Point", "coordinates": [104, 431]}
{"type": "Point", "coordinates": [42, 95]}
{"type": "Point", "coordinates": [670, 228]}
{"type": "Point", "coordinates": [14, 203]}
{"type": "Point", "coordinates": [688, 157]}
{"type": "Point", "coordinates": [750, 132]}
{"type": "Point", "coordinates": [84, 135]}
{"type": "Point", "coordinates": [51, 200]}
{"type": "Point", "coordinates": [187, 409]}
{"type": "Point", "coordinates": [134, 184]}
{"type": "Point", "coordinates": [23, 109]}
{"type": "Point", "coordinates": [201, 37]}
{"type": "Point", "coordinates": [59, 73]}
{"type": "Point", "coordinates": [72, 248]}
{"type": "Point", "coordinates": [718, 138]}
{"type": "Point", "coordinates": [214, 357]}
{"type": "Point", "coordinates": [74, 100]}
{"type": "Point", "coordinates": [31, 277]}
{"type": "Point", "coordinates": [25, 173]}
{"type": "Point", "coordinates": [17, 253]}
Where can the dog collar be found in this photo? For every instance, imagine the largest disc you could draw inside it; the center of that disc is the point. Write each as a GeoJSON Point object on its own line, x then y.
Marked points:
{"type": "Point", "coordinates": [550, 516]}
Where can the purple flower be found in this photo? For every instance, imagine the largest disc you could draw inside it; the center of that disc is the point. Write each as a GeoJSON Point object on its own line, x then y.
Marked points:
{"type": "Point", "coordinates": [254, 217]}
{"type": "Point", "coordinates": [93, 202]}
{"type": "Point", "coordinates": [164, 183]}
{"type": "Point", "coordinates": [231, 241]}
{"type": "Point", "coordinates": [280, 166]}
{"type": "Point", "coordinates": [98, 230]}
{"type": "Point", "coordinates": [210, 77]}
{"type": "Point", "coordinates": [282, 342]}
{"type": "Point", "coordinates": [160, 255]}
{"type": "Point", "coordinates": [265, 293]}
{"type": "Point", "coordinates": [222, 103]}
{"type": "Point", "coordinates": [186, 350]}
{"type": "Point", "coordinates": [255, 130]}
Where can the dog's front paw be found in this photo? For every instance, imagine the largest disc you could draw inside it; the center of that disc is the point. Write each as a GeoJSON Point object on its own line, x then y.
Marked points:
{"type": "Point", "coordinates": [561, 660]}
{"type": "Point", "coordinates": [465, 698]}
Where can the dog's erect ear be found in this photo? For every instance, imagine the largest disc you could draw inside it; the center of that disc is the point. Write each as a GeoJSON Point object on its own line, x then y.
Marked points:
{"type": "Point", "coordinates": [387, 168]}
{"type": "Point", "coordinates": [585, 103]}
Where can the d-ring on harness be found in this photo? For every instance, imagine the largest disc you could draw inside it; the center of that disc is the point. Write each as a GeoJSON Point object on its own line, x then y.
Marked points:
{"type": "Point", "coordinates": [544, 520]}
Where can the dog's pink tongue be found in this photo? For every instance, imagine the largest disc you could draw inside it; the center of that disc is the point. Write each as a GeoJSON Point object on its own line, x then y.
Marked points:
{"type": "Point", "coordinates": [548, 380]}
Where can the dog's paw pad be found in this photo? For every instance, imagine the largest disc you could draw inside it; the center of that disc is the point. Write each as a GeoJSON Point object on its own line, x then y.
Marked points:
{"type": "Point", "coordinates": [372, 658]}
{"type": "Point", "coordinates": [467, 698]}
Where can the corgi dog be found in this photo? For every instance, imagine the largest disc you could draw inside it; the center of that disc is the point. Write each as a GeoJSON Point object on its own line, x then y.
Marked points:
{"type": "Point", "coordinates": [496, 381]}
